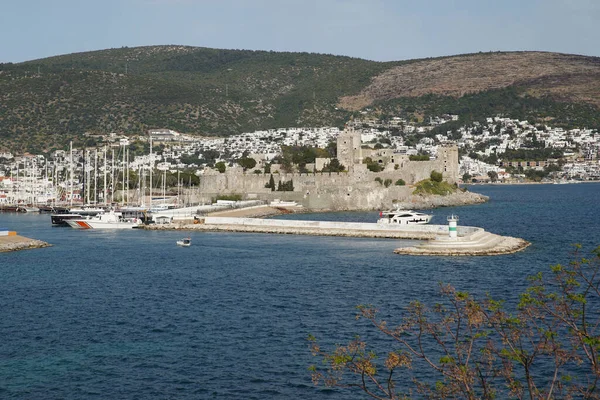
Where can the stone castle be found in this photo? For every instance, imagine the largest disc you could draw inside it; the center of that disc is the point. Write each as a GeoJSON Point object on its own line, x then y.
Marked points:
{"type": "Point", "coordinates": [357, 188]}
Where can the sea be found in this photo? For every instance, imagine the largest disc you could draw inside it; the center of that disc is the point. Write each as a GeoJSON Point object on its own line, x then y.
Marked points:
{"type": "Point", "coordinates": [129, 315]}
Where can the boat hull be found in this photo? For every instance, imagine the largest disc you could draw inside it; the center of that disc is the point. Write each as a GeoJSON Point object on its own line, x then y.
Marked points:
{"type": "Point", "coordinates": [90, 224]}
{"type": "Point", "coordinates": [61, 219]}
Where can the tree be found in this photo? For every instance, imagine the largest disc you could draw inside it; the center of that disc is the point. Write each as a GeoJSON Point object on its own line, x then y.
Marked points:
{"type": "Point", "coordinates": [333, 166]}
{"type": "Point", "coordinates": [372, 165]}
{"type": "Point", "coordinates": [271, 183]}
{"type": "Point", "coordinates": [400, 182]}
{"type": "Point", "coordinates": [547, 347]}
{"type": "Point", "coordinates": [436, 176]}
{"type": "Point", "coordinates": [220, 166]}
{"type": "Point", "coordinates": [493, 176]}
{"type": "Point", "coordinates": [466, 177]}
{"type": "Point", "coordinates": [247, 163]}
{"type": "Point", "coordinates": [287, 186]}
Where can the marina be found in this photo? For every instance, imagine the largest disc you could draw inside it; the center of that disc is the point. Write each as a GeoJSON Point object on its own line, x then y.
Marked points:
{"type": "Point", "coordinates": [449, 240]}
{"type": "Point", "coordinates": [185, 323]}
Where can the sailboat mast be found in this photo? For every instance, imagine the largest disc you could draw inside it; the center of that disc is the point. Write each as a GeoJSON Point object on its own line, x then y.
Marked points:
{"type": "Point", "coordinates": [123, 171]}
{"type": "Point", "coordinates": [105, 171]}
{"type": "Point", "coordinates": [127, 169]}
{"type": "Point", "coordinates": [112, 178]}
{"type": "Point", "coordinates": [71, 174]}
{"type": "Point", "coordinates": [86, 175]}
{"type": "Point", "coordinates": [151, 168]}
{"type": "Point", "coordinates": [96, 176]}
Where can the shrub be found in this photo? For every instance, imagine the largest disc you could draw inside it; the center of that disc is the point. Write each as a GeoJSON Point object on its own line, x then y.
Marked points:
{"type": "Point", "coordinates": [387, 182]}
{"type": "Point", "coordinates": [372, 166]}
{"type": "Point", "coordinates": [230, 197]}
{"type": "Point", "coordinates": [400, 182]}
{"type": "Point", "coordinates": [378, 179]}
{"type": "Point", "coordinates": [427, 186]}
{"type": "Point", "coordinates": [420, 157]}
{"type": "Point", "coordinates": [436, 176]}
{"type": "Point", "coordinates": [220, 166]}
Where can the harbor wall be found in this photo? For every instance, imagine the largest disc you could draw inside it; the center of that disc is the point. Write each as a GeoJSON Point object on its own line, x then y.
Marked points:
{"type": "Point", "coordinates": [335, 225]}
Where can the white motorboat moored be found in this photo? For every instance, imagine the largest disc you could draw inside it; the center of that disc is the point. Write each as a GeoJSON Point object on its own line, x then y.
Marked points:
{"type": "Point", "coordinates": [403, 217]}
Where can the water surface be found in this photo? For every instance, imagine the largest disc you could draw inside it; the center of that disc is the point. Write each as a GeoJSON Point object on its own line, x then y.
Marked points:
{"type": "Point", "coordinates": [129, 315]}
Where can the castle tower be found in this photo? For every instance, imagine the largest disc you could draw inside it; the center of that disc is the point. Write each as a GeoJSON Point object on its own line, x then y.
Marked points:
{"type": "Point", "coordinates": [349, 151]}
{"type": "Point", "coordinates": [448, 156]}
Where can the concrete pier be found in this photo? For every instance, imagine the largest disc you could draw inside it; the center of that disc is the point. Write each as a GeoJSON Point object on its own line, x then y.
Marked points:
{"type": "Point", "coordinates": [316, 228]}
{"type": "Point", "coordinates": [468, 240]}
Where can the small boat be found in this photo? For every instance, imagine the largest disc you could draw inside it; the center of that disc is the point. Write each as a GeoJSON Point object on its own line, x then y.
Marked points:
{"type": "Point", "coordinates": [280, 203]}
{"type": "Point", "coordinates": [185, 242]}
{"type": "Point", "coordinates": [403, 217]}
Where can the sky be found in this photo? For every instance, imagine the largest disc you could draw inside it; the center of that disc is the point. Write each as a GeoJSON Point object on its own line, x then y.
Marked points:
{"type": "Point", "coordinates": [379, 30]}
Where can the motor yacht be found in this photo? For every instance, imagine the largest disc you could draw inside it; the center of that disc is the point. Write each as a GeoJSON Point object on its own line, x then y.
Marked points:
{"type": "Point", "coordinates": [403, 217]}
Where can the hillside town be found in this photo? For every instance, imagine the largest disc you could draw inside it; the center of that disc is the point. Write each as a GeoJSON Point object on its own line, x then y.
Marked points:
{"type": "Point", "coordinates": [501, 149]}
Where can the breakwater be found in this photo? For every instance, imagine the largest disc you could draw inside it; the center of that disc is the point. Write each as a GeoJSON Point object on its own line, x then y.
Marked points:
{"type": "Point", "coordinates": [16, 242]}
{"type": "Point", "coordinates": [469, 240]}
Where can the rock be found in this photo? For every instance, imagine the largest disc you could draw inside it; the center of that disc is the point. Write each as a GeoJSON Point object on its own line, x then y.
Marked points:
{"type": "Point", "coordinates": [433, 201]}
{"type": "Point", "coordinates": [16, 242]}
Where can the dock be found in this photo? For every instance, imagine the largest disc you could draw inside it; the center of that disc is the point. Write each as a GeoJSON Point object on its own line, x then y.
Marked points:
{"type": "Point", "coordinates": [434, 239]}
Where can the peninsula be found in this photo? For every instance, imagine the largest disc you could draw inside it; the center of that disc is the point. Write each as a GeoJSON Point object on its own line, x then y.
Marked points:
{"type": "Point", "coordinates": [14, 242]}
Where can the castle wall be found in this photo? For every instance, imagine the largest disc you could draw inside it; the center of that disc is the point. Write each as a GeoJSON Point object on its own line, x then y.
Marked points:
{"type": "Point", "coordinates": [352, 189]}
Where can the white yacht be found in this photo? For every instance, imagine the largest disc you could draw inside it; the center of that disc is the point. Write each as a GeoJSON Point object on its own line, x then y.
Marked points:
{"type": "Point", "coordinates": [108, 220]}
{"type": "Point", "coordinates": [403, 217]}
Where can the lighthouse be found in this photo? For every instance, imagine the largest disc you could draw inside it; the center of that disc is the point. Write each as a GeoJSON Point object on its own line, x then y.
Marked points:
{"type": "Point", "coordinates": [452, 220]}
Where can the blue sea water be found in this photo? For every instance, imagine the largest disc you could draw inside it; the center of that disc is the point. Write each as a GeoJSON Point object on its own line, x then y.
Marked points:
{"type": "Point", "coordinates": [129, 315]}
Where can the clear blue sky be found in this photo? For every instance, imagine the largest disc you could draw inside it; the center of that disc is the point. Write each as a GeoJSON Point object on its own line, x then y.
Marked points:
{"type": "Point", "coordinates": [381, 30]}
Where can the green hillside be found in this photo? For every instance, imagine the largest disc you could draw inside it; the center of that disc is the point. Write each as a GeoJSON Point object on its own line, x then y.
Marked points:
{"type": "Point", "coordinates": [45, 103]}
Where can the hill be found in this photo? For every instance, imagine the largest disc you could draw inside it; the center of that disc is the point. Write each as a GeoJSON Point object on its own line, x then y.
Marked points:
{"type": "Point", "coordinates": [45, 103]}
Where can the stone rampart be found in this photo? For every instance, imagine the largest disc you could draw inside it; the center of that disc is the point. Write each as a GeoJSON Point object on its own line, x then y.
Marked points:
{"type": "Point", "coordinates": [355, 189]}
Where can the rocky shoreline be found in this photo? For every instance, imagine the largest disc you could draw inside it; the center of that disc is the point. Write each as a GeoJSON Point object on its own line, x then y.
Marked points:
{"type": "Point", "coordinates": [16, 242]}
{"type": "Point", "coordinates": [452, 200]}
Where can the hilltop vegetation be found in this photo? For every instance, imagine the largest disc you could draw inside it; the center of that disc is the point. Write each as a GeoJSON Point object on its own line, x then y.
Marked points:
{"type": "Point", "coordinates": [45, 103]}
